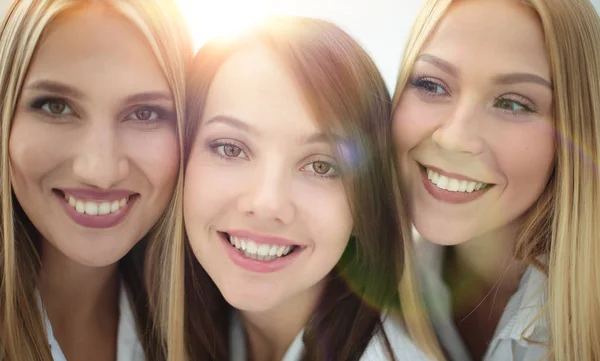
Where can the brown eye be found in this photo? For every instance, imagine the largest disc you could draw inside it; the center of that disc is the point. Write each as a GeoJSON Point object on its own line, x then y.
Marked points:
{"type": "Point", "coordinates": [231, 150]}
{"type": "Point", "coordinates": [321, 167]}
{"type": "Point", "coordinates": [144, 114]}
{"type": "Point", "coordinates": [57, 107]}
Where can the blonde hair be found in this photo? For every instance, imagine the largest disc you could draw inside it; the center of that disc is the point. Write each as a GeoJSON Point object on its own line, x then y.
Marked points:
{"type": "Point", "coordinates": [22, 330]}
{"type": "Point", "coordinates": [562, 226]}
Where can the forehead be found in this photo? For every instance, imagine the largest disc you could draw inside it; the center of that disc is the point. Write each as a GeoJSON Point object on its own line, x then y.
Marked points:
{"type": "Point", "coordinates": [255, 86]}
{"type": "Point", "coordinates": [98, 52]}
{"type": "Point", "coordinates": [504, 35]}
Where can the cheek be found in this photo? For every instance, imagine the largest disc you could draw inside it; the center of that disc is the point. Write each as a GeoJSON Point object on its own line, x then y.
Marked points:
{"type": "Point", "coordinates": [413, 121]}
{"type": "Point", "coordinates": [326, 212]}
{"type": "Point", "coordinates": [527, 161]}
{"type": "Point", "coordinates": [208, 190]}
{"type": "Point", "coordinates": [33, 151]}
{"type": "Point", "coordinates": [156, 153]}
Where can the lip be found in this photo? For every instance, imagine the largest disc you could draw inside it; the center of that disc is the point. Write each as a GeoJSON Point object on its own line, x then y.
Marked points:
{"type": "Point", "coordinates": [261, 238]}
{"type": "Point", "coordinates": [256, 266]}
{"type": "Point", "coordinates": [105, 221]}
{"type": "Point", "coordinates": [451, 175]}
{"type": "Point", "coordinates": [97, 195]}
{"type": "Point", "coordinates": [449, 196]}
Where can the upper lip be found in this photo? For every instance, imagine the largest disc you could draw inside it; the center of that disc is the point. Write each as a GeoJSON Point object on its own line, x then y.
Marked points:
{"type": "Point", "coordinates": [453, 175]}
{"type": "Point", "coordinates": [96, 194]}
{"type": "Point", "coordinates": [260, 238]}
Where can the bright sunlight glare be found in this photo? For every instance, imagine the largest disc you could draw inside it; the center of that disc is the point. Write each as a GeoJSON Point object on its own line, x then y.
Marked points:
{"type": "Point", "coordinates": [210, 19]}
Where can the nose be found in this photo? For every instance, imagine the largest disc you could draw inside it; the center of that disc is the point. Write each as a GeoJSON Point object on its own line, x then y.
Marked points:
{"type": "Point", "coordinates": [99, 160]}
{"type": "Point", "coordinates": [460, 131]}
{"type": "Point", "coordinates": [267, 195]}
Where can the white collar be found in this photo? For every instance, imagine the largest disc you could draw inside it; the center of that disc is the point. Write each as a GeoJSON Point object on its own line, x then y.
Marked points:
{"type": "Point", "coordinates": [402, 346]}
{"type": "Point", "coordinates": [129, 347]}
{"type": "Point", "coordinates": [519, 320]}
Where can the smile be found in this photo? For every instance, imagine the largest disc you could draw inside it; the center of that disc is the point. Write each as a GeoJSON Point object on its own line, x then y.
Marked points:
{"type": "Point", "coordinates": [96, 209]}
{"type": "Point", "coordinates": [259, 251]}
{"type": "Point", "coordinates": [454, 185]}
{"type": "Point", "coordinates": [452, 189]}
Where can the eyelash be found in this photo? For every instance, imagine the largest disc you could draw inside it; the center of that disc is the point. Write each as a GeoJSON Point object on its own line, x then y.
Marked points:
{"type": "Point", "coordinates": [161, 113]}
{"type": "Point", "coordinates": [526, 105]}
{"type": "Point", "coordinates": [421, 82]}
{"type": "Point", "coordinates": [216, 147]}
{"type": "Point", "coordinates": [326, 175]}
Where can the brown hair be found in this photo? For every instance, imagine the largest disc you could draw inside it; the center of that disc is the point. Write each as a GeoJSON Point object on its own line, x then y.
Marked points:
{"type": "Point", "coordinates": [346, 94]}
{"type": "Point", "coordinates": [22, 330]}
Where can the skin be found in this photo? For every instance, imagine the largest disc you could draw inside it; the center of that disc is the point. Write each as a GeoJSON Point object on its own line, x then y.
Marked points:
{"type": "Point", "coordinates": [469, 110]}
{"type": "Point", "coordinates": [263, 173]}
{"type": "Point", "coordinates": [93, 136]}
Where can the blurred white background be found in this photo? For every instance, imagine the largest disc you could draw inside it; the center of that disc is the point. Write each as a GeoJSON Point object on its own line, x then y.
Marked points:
{"type": "Point", "coordinates": [380, 26]}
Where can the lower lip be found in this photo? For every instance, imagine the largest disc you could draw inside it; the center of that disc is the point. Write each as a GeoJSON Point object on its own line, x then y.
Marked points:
{"type": "Point", "coordinates": [254, 265]}
{"type": "Point", "coordinates": [105, 221]}
{"type": "Point", "coordinates": [449, 196]}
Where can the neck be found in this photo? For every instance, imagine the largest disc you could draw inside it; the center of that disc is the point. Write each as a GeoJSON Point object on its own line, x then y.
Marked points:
{"type": "Point", "coordinates": [75, 295]}
{"type": "Point", "coordinates": [483, 275]}
{"type": "Point", "coordinates": [490, 258]}
{"type": "Point", "coordinates": [270, 333]}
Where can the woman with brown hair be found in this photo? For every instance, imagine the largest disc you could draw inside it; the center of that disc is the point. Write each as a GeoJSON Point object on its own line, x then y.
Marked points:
{"type": "Point", "coordinates": [289, 204]}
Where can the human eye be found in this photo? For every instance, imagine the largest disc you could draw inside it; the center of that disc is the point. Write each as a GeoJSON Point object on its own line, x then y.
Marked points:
{"type": "Point", "coordinates": [514, 104]}
{"type": "Point", "coordinates": [53, 107]}
{"type": "Point", "coordinates": [150, 114]}
{"type": "Point", "coordinates": [321, 168]}
{"type": "Point", "coordinates": [429, 86]}
{"type": "Point", "coordinates": [228, 149]}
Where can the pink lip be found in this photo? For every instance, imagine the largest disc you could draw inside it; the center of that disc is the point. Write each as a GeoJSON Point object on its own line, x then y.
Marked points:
{"type": "Point", "coordinates": [448, 196]}
{"type": "Point", "coordinates": [97, 195]}
{"type": "Point", "coordinates": [260, 238]}
{"type": "Point", "coordinates": [254, 265]}
{"type": "Point", "coordinates": [104, 221]}
{"type": "Point", "coordinates": [451, 175]}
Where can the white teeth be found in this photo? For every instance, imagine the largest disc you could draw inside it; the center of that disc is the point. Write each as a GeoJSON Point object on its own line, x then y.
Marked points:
{"type": "Point", "coordinates": [262, 252]}
{"type": "Point", "coordinates": [453, 185]}
{"type": "Point", "coordinates": [104, 208]}
{"type": "Point", "coordinates": [443, 182]}
{"type": "Point", "coordinates": [273, 251]}
{"type": "Point", "coordinates": [80, 206]}
{"type": "Point", "coordinates": [96, 208]}
{"type": "Point", "coordinates": [91, 208]}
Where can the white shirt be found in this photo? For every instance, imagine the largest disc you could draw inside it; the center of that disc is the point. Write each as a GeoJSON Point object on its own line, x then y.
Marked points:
{"type": "Point", "coordinates": [129, 347]}
{"type": "Point", "coordinates": [518, 321]}
{"type": "Point", "coordinates": [402, 346]}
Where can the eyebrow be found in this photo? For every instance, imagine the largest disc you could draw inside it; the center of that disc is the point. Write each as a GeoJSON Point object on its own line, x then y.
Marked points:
{"type": "Point", "coordinates": [237, 123]}
{"type": "Point", "coordinates": [71, 92]}
{"type": "Point", "coordinates": [440, 63]}
{"type": "Point", "coordinates": [56, 87]}
{"type": "Point", "coordinates": [515, 78]}
{"type": "Point", "coordinates": [506, 79]}
{"type": "Point", "coordinates": [320, 138]}
{"type": "Point", "coordinates": [232, 122]}
{"type": "Point", "coordinates": [148, 97]}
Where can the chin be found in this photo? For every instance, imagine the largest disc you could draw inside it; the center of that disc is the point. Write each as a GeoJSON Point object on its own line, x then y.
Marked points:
{"type": "Point", "coordinates": [438, 233]}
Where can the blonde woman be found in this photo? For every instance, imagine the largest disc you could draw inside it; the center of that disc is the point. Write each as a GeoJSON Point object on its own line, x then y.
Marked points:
{"type": "Point", "coordinates": [92, 98]}
{"type": "Point", "coordinates": [497, 129]}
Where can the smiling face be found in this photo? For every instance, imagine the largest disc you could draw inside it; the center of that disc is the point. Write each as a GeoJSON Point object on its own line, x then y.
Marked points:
{"type": "Point", "coordinates": [265, 210]}
{"type": "Point", "coordinates": [93, 148]}
{"type": "Point", "coordinates": [474, 126]}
